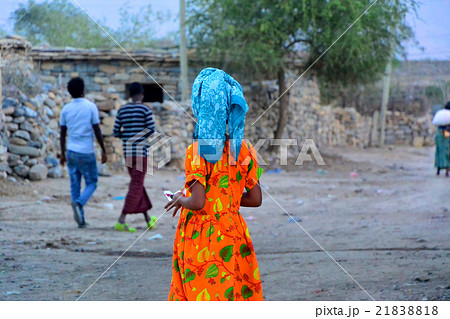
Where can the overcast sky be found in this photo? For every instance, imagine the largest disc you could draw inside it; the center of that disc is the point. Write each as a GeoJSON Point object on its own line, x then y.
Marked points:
{"type": "Point", "coordinates": [432, 29]}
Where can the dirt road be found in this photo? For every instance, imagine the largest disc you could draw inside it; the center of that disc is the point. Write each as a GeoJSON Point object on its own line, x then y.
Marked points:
{"type": "Point", "coordinates": [388, 228]}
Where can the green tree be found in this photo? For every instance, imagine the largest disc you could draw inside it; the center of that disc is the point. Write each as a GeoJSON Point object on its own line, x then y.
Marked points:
{"type": "Point", "coordinates": [57, 23]}
{"type": "Point", "coordinates": [258, 37]}
{"type": "Point", "coordinates": [139, 29]}
{"type": "Point", "coordinates": [61, 23]}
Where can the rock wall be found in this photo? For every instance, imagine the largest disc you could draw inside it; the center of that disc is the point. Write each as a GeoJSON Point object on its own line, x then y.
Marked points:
{"type": "Point", "coordinates": [31, 129]}
{"type": "Point", "coordinates": [29, 121]}
{"type": "Point", "coordinates": [30, 126]}
{"type": "Point", "coordinates": [109, 70]}
{"type": "Point", "coordinates": [17, 66]}
{"type": "Point", "coordinates": [405, 129]}
{"type": "Point", "coordinates": [328, 125]}
{"type": "Point", "coordinates": [106, 76]}
{"type": "Point", "coordinates": [30, 135]}
{"type": "Point", "coordinates": [4, 166]}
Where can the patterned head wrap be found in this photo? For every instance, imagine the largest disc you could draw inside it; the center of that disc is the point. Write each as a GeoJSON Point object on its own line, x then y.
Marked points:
{"type": "Point", "coordinates": [218, 99]}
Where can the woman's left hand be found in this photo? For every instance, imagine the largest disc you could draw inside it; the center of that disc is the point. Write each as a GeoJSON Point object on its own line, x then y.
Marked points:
{"type": "Point", "coordinates": [174, 203]}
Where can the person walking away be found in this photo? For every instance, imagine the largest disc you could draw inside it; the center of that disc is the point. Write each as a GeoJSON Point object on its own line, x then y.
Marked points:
{"type": "Point", "coordinates": [80, 120]}
{"type": "Point", "coordinates": [442, 155]}
{"type": "Point", "coordinates": [213, 257]}
{"type": "Point", "coordinates": [134, 124]}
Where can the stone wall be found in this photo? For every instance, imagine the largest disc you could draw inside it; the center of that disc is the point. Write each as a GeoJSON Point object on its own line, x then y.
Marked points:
{"type": "Point", "coordinates": [30, 134]}
{"type": "Point", "coordinates": [405, 129]}
{"type": "Point", "coordinates": [4, 166]}
{"type": "Point", "coordinates": [107, 77]}
{"type": "Point", "coordinates": [109, 70]}
{"type": "Point", "coordinates": [328, 125]}
{"type": "Point", "coordinates": [17, 66]}
{"type": "Point", "coordinates": [30, 129]}
{"type": "Point", "coordinates": [29, 121]}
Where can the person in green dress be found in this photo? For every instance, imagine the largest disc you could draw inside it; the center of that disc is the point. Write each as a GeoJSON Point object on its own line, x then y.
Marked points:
{"type": "Point", "coordinates": [442, 155]}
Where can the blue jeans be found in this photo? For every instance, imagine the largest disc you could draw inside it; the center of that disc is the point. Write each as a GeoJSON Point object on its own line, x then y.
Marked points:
{"type": "Point", "coordinates": [82, 165]}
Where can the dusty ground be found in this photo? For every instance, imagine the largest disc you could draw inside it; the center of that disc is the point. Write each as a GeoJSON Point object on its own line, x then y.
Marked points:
{"type": "Point", "coordinates": [388, 228]}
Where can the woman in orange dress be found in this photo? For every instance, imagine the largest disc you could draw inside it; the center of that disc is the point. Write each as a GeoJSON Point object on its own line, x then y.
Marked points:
{"type": "Point", "coordinates": [213, 255]}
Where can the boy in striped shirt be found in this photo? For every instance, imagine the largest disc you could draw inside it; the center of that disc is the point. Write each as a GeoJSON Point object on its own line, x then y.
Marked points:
{"type": "Point", "coordinates": [134, 124]}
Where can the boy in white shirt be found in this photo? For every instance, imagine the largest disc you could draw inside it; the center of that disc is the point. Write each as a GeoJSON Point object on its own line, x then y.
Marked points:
{"type": "Point", "coordinates": [80, 120]}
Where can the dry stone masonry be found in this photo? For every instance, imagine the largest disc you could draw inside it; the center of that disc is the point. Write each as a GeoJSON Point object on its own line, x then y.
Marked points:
{"type": "Point", "coordinates": [34, 93]}
{"type": "Point", "coordinates": [30, 134]}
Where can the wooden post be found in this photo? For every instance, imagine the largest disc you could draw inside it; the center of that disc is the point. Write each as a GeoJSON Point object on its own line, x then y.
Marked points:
{"type": "Point", "coordinates": [385, 100]}
{"type": "Point", "coordinates": [374, 132]}
{"type": "Point", "coordinates": [183, 53]}
{"type": "Point", "coordinates": [1, 86]}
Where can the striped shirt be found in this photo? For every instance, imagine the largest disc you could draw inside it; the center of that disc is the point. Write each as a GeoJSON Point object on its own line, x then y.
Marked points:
{"type": "Point", "coordinates": [134, 124]}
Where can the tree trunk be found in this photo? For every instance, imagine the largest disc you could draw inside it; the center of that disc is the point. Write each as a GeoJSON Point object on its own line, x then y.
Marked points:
{"type": "Point", "coordinates": [284, 104]}
{"type": "Point", "coordinates": [183, 53]}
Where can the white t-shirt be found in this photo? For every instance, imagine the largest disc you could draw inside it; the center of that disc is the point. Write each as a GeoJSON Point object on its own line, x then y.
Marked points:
{"type": "Point", "coordinates": [79, 116]}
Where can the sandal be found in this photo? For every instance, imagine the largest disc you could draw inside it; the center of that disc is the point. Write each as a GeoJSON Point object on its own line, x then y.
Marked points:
{"type": "Point", "coordinates": [152, 222]}
{"type": "Point", "coordinates": [124, 227]}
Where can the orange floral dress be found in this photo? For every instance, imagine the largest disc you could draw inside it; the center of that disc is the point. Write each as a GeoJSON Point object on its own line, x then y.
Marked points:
{"type": "Point", "coordinates": [213, 256]}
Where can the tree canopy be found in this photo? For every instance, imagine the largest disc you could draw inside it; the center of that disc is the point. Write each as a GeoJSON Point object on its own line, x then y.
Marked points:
{"type": "Point", "coordinates": [257, 38]}
{"type": "Point", "coordinates": [61, 23]}
{"type": "Point", "coordinates": [140, 29]}
{"type": "Point", "coordinates": [57, 23]}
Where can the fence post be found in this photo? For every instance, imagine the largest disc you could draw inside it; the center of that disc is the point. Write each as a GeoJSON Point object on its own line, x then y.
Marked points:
{"type": "Point", "coordinates": [374, 132]}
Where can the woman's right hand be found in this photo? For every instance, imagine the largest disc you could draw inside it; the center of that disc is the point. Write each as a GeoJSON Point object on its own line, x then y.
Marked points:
{"type": "Point", "coordinates": [174, 203]}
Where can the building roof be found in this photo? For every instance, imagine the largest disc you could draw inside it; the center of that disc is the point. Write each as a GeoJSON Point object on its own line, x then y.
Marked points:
{"type": "Point", "coordinates": [47, 53]}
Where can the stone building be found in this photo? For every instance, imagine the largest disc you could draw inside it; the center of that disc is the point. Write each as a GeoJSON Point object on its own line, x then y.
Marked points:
{"type": "Point", "coordinates": [112, 70]}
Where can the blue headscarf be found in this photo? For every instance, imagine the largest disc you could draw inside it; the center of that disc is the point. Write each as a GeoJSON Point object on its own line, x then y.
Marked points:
{"type": "Point", "coordinates": [217, 98]}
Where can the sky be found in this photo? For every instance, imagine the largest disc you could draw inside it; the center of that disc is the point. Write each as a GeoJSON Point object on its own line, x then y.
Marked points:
{"type": "Point", "coordinates": [432, 27]}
